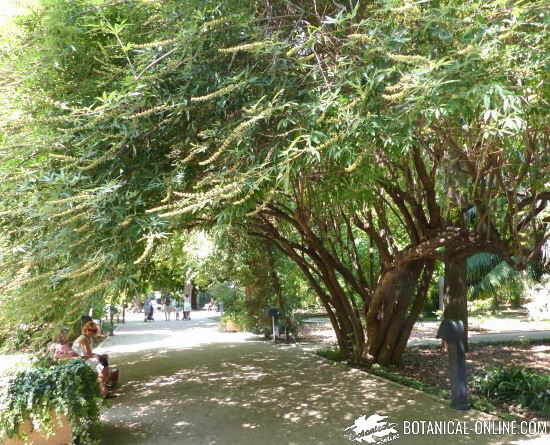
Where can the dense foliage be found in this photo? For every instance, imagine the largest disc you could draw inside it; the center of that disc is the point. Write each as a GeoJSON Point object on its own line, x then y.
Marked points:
{"type": "Point", "coordinates": [516, 385]}
{"type": "Point", "coordinates": [364, 141]}
{"type": "Point", "coordinates": [68, 388]}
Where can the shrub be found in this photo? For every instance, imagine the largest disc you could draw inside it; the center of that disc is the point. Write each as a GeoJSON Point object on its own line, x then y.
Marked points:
{"type": "Point", "coordinates": [333, 354]}
{"type": "Point", "coordinates": [19, 338]}
{"type": "Point", "coordinates": [481, 307]}
{"type": "Point", "coordinates": [232, 321]}
{"type": "Point", "coordinates": [69, 388]}
{"type": "Point", "coordinates": [528, 388]}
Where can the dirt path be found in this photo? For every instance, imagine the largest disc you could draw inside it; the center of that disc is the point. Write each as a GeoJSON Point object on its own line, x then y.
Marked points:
{"type": "Point", "coordinates": [197, 386]}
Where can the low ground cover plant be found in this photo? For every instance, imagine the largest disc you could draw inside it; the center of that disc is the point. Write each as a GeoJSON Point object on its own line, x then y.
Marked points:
{"type": "Point", "coordinates": [516, 385]}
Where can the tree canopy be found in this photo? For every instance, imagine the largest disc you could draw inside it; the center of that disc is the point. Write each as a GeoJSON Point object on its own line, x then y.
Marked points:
{"type": "Point", "coordinates": [364, 140]}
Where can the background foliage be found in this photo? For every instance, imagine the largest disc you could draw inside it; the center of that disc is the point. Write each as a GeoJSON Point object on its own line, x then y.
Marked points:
{"type": "Point", "coordinates": [346, 136]}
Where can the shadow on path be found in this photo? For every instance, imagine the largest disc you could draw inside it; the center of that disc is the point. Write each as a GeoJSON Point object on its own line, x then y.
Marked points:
{"type": "Point", "coordinates": [199, 386]}
{"type": "Point", "coordinates": [256, 393]}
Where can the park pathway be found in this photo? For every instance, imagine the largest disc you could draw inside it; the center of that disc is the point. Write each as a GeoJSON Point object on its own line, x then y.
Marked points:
{"type": "Point", "coordinates": [186, 383]}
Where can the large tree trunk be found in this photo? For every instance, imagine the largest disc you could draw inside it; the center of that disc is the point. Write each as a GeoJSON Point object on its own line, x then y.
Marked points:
{"type": "Point", "coordinates": [455, 292]}
{"type": "Point", "coordinates": [275, 280]}
{"type": "Point", "coordinates": [414, 312]}
{"type": "Point", "coordinates": [396, 304]}
{"type": "Point", "coordinates": [345, 321]}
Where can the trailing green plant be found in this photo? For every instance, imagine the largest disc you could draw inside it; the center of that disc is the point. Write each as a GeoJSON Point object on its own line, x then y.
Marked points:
{"type": "Point", "coordinates": [516, 384]}
{"type": "Point", "coordinates": [67, 388]}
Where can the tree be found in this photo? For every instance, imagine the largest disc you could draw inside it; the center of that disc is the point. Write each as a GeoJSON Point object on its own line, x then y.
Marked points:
{"type": "Point", "coordinates": [364, 142]}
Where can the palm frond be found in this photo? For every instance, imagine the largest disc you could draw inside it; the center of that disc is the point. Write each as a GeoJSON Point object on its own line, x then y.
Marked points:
{"type": "Point", "coordinates": [488, 275]}
{"type": "Point", "coordinates": [479, 265]}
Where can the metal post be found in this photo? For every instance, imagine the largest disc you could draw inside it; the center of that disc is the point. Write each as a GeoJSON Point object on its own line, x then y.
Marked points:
{"type": "Point", "coordinates": [112, 328]}
{"type": "Point", "coordinates": [452, 331]}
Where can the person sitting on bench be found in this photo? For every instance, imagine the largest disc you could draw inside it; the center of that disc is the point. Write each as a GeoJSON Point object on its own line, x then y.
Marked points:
{"type": "Point", "coordinates": [61, 348]}
{"type": "Point", "coordinates": [83, 347]}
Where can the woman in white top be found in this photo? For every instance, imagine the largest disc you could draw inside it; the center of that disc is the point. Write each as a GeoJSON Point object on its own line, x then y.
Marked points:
{"type": "Point", "coordinates": [187, 309]}
{"type": "Point", "coordinates": [83, 347]}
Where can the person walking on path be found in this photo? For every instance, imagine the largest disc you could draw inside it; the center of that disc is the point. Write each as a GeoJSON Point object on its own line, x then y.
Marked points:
{"type": "Point", "coordinates": [167, 307]}
{"type": "Point", "coordinates": [148, 309]}
{"type": "Point", "coordinates": [177, 308]}
{"type": "Point", "coordinates": [187, 309]}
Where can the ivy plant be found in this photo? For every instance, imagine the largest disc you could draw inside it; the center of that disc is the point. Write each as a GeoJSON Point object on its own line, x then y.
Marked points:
{"type": "Point", "coordinates": [68, 388]}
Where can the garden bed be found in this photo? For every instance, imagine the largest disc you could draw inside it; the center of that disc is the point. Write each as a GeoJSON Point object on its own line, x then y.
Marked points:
{"type": "Point", "coordinates": [519, 366]}
{"type": "Point", "coordinates": [429, 365]}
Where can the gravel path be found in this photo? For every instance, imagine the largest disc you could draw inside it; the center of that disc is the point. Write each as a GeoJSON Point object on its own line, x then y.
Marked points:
{"type": "Point", "coordinates": [186, 383]}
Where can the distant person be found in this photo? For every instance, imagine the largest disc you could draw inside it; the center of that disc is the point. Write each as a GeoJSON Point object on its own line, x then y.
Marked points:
{"type": "Point", "coordinates": [61, 348]}
{"type": "Point", "coordinates": [167, 307]}
{"type": "Point", "coordinates": [187, 309]}
{"type": "Point", "coordinates": [177, 309]}
{"type": "Point", "coordinates": [85, 319]}
{"type": "Point", "coordinates": [146, 305]}
{"type": "Point", "coordinates": [148, 309]}
{"type": "Point", "coordinates": [220, 307]}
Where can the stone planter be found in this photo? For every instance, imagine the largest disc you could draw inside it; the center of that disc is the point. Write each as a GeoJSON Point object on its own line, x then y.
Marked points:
{"type": "Point", "coordinates": [61, 436]}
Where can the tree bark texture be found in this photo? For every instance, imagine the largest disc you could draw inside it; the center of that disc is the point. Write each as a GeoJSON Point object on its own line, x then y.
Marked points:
{"type": "Point", "coordinates": [396, 304]}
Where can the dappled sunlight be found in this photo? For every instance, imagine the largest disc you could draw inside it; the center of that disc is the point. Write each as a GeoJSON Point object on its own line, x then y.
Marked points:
{"type": "Point", "coordinates": [161, 335]}
{"type": "Point", "coordinates": [236, 390]}
{"type": "Point", "coordinates": [226, 388]}
{"type": "Point", "coordinates": [13, 8]}
{"type": "Point", "coordinates": [9, 363]}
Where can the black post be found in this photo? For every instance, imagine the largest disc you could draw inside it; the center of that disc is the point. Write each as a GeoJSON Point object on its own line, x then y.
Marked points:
{"type": "Point", "coordinates": [111, 319]}
{"type": "Point", "coordinates": [452, 331]}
